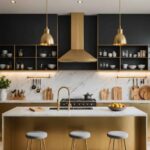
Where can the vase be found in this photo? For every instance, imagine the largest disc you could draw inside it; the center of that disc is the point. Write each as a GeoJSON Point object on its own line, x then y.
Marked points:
{"type": "Point", "coordinates": [3, 94]}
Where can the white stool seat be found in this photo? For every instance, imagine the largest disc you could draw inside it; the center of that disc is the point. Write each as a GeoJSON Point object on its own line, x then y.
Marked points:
{"type": "Point", "coordinates": [117, 134]}
{"type": "Point", "coordinates": [80, 134]}
{"type": "Point", "coordinates": [36, 135]}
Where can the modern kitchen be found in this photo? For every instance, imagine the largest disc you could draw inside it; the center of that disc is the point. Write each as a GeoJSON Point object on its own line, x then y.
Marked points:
{"type": "Point", "coordinates": [75, 75]}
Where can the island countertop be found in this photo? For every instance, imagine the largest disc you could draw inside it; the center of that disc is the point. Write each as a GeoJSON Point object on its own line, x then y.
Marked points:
{"type": "Point", "coordinates": [95, 112]}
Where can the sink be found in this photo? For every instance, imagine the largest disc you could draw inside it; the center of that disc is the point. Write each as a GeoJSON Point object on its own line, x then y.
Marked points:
{"type": "Point", "coordinates": [72, 108]}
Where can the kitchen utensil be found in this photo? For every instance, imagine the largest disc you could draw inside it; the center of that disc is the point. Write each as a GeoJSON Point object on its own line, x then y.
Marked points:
{"type": "Point", "coordinates": [104, 94]}
{"type": "Point", "coordinates": [33, 85]}
{"type": "Point", "coordinates": [117, 93]}
{"type": "Point", "coordinates": [38, 86]}
{"type": "Point", "coordinates": [87, 96]}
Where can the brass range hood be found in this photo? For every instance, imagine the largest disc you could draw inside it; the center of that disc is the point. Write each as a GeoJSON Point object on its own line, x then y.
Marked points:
{"type": "Point", "coordinates": [77, 53]}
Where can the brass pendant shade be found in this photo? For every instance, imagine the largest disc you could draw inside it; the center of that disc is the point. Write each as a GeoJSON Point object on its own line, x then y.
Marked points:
{"type": "Point", "coordinates": [120, 38]}
{"type": "Point", "coordinates": [46, 38]}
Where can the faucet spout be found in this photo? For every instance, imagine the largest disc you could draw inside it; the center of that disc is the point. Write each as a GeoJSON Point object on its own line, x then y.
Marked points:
{"type": "Point", "coordinates": [58, 101]}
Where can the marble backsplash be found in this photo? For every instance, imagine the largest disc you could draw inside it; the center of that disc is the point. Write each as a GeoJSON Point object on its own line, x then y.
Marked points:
{"type": "Point", "coordinates": [79, 82]}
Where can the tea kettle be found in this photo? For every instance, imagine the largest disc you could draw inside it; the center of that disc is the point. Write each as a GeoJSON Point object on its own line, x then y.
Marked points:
{"type": "Point", "coordinates": [87, 96]}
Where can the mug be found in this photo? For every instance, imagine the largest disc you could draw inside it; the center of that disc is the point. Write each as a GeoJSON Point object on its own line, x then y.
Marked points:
{"type": "Point", "coordinates": [125, 66]}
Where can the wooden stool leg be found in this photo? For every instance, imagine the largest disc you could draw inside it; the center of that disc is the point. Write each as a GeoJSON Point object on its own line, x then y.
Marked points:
{"type": "Point", "coordinates": [28, 142]}
{"type": "Point", "coordinates": [72, 143]}
{"type": "Point", "coordinates": [122, 147]}
{"type": "Point", "coordinates": [109, 143]}
{"type": "Point", "coordinates": [124, 144]}
{"type": "Point", "coordinates": [44, 144]}
{"type": "Point", "coordinates": [113, 144]}
{"type": "Point", "coordinates": [41, 144]}
{"type": "Point", "coordinates": [31, 144]}
{"type": "Point", "coordinates": [86, 144]}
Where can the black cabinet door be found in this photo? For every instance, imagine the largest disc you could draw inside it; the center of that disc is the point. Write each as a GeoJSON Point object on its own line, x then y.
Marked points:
{"type": "Point", "coordinates": [25, 28]}
{"type": "Point", "coordinates": [136, 28]}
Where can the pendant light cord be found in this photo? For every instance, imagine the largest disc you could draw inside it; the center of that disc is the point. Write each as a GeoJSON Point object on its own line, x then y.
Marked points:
{"type": "Point", "coordinates": [119, 13]}
{"type": "Point", "coordinates": [46, 13]}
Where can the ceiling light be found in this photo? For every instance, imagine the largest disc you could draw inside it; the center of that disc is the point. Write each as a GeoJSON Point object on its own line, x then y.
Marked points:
{"type": "Point", "coordinates": [79, 1]}
{"type": "Point", "coordinates": [120, 38]}
{"type": "Point", "coordinates": [13, 1]}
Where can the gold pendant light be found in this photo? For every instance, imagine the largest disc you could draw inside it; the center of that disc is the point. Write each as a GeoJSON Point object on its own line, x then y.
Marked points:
{"type": "Point", "coordinates": [120, 38]}
{"type": "Point", "coordinates": [46, 38]}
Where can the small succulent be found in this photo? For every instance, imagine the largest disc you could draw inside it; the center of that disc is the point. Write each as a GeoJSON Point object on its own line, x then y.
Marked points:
{"type": "Point", "coordinates": [4, 82]}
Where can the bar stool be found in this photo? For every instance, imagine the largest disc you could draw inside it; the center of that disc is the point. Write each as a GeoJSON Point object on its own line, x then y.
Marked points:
{"type": "Point", "coordinates": [36, 135]}
{"type": "Point", "coordinates": [117, 135]}
{"type": "Point", "coordinates": [80, 135]}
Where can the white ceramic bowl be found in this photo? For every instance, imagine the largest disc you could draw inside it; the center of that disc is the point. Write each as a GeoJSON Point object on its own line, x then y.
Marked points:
{"type": "Point", "coordinates": [141, 66]}
{"type": "Point", "coordinates": [132, 67]}
{"type": "Point", "coordinates": [2, 66]}
{"type": "Point", "coordinates": [9, 55]}
{"type": "Point", "coordinates": [51, 66]}
{"type": "Point", "coordinates": [112, 66]}
{"type": "Point", "coordinates": [43, 55]}
{"type": "Point", "coordinates": [30, 68]}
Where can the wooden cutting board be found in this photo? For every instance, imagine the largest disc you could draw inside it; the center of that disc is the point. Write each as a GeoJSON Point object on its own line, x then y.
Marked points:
{"type": "Point", "coordinates": [117, 93]}
{"type": "Point", "coordinates": [135, 91]}
{"type": "Point", "coordinates": [145, 92]}
{"type": "Point", "coordinates": [104, 94]}
{"type": "Point", "coordinates": [135, 94]}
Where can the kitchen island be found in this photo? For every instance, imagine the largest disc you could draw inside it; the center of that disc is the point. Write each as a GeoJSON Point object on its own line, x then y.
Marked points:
{"type": "Point", "coordinates": [58, 124]}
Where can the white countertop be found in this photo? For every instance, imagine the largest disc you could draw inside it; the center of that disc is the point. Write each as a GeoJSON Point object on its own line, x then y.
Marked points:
{"type": "Point", "coordinates": [54, 101]}
{"type": "Point", "coordinates": [96, 112]}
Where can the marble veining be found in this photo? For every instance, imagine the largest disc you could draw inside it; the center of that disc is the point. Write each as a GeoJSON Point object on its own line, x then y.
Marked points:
{"type": "Point", "coordinates": [79, 82]}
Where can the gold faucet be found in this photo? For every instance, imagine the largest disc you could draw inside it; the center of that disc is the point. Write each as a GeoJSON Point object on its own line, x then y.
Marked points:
{"type": "Point", "coordinates": [58, 102]}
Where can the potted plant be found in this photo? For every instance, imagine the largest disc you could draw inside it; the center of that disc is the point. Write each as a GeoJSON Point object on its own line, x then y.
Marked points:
{"type": "Point", "coordinates": [4, 84]}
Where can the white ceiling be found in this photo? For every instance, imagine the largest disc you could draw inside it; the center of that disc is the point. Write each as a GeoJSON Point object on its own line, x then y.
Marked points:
{"type": "Point", "coordinates": [67, 6]}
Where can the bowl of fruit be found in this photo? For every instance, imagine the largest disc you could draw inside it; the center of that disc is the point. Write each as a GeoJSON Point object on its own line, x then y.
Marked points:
{"type": "Point", "coordinates": [117, 106]}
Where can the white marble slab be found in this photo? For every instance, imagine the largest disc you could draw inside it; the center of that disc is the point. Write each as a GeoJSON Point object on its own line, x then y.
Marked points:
{"type": "Point", "coordinates": [96, 112]}
{"type": "Point", "coordinates": [79, 82]}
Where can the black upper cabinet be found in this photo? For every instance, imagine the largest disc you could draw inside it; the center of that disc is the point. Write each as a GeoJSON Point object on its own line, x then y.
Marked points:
{"type": "Point", "coordinates": [25, 28]}
{"type": "Point", "coordinates": [136, 28]}
{"type": "Point", "coordinates": [64, 37]}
